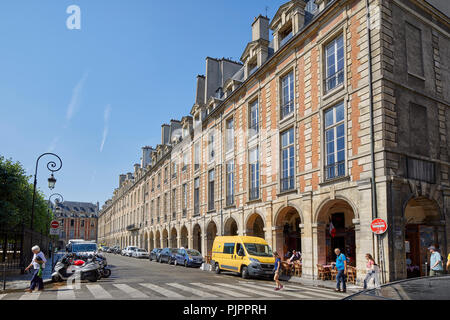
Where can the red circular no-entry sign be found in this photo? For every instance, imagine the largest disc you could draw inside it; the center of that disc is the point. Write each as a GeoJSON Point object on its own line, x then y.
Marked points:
{"type": "Point", "coordinates": [54, 224]}
{"type": "Point", "coordinates": [378, 226]}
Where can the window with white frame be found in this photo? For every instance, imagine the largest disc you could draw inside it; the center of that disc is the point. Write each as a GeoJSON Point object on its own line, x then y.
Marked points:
{"type": "Point", "coordinates": [174, 200]}
{"type": "Point", "coordinates": [185, 160]}
{"type": "Point", "coordinates": [335, 141]}
{"type": "Point", "coordinates": [211, 178]}
{"type": "Point", "coordinates": [334, 53]}
{"type": "Point", "coordinates": [196, 196]}
{"type": "Point", "coordinates": [230, 135]}
{"type": "Point", "coordinates": [230, 183]}
{"type": "Point", "coordinates": [254, 119]}
{"type": "Point", "coordinates": [185, 197]}
{"type": "Point", "coordinates": [287, 95]}
{"type": "Point", "coordinates": [254, 173]}
{"type": "Point", "coordinates": [287, 160]}
{"type": "Point", "coordinates": [196, 156]}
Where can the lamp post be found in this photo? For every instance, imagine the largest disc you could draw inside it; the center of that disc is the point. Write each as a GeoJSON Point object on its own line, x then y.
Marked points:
{"type": "Point", "coordinates": [59, 198]}
{"type": "Point", "coordinates": [52, 167]}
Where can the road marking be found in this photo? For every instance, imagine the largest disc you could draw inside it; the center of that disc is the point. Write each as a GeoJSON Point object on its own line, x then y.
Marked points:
{"type": "Point", "coordinates": [30, 296]}
{"type": "Point", "coordinates": [222, 290]}
{"type": "Point", "coordinates": [132, 292]}
{"type": "Point", "coordinates": [267, 295]}
{"type": "Point", "coordinates": [283, 292]}
{"type": "Point", "coordinates": [65, 294]}
{"type": "Point", "coordinates": [312, 291]}
{"type": "Point", "coordinates": [98, 292]}
{"type": "Point", "coordinates": [2, 296]}
{"type": "Point", "coordinates": [192, 290]}
{"type": "Point", "coordinates": [160, 290]}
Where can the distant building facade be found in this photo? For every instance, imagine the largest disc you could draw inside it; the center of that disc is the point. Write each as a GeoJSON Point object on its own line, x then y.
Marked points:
{"type": "Point", "coordinates": [315, 128]}
{"type": "Point", "coordinates": [77, 220]}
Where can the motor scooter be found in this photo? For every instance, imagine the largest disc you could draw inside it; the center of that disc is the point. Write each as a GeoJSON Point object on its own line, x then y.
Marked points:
{"type": "Point", "coordinates": [69, 265]}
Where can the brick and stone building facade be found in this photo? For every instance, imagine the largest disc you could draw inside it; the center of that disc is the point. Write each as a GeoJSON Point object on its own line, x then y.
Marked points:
{"type": "Point", "coordinates": [77, 220]}
{"type": "Point", "coordinates": [316, 126]}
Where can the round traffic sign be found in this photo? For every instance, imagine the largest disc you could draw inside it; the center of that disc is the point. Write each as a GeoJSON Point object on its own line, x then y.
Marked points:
{"type": "Point", "coordinates": [378, 226]}
{"type": "Point", "coordinates": [54, 224]}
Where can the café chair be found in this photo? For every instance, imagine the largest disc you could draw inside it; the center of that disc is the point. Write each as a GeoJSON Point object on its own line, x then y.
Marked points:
{"type": "Point", "coordinates": [323, 273]}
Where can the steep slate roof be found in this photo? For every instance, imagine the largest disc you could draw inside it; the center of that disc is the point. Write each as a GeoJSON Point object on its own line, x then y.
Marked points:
{"type": "Point", "coordinates": [76, 209]}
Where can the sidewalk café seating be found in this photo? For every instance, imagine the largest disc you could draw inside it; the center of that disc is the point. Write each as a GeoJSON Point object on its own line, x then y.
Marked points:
{"type": "Point", "coordinates": [297, 268]}
{"type": "Point", "coordinates": [351, 274]}
{"type": "Point", "coordinates": [208, 259]}
{"type": "Point", "coordinates": [324, 274]}
{"type": "Point", "coordinates": [286, 268]}
{"type": "Point", "coordinates": [334, 273]}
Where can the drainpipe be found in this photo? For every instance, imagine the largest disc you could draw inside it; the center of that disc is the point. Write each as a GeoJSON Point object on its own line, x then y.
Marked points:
{"type": "Point", "coordinates": [372, 142]}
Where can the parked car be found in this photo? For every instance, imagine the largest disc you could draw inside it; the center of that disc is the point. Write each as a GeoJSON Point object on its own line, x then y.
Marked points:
{"type": "Point", "coordinates": [129, 251]}
{"type": "Point", "coordinates": [116, 250]}
{"type": "Point", "coordinates": [167, 255]}
{"type": "Point", "coordinates": [140, 253]}
{"type": "Point", "coordinates": [188, 258]}
{"type": "Point", "coordinates": [154, 254]}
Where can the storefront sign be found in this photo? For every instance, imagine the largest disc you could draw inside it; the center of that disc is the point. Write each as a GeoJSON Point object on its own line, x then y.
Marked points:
{"type": "Point", "coordinates": [378, 226]}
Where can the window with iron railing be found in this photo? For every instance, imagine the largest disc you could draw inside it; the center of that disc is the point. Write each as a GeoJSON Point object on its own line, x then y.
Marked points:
{"type": "Point", "coordinates": [287, 160]}
{"type": "Point", "coordinates": [334, 55]}
{"type": "Point", "coordinates": [211, 202]}
{"type": "Point", "coordinates": [287, 95]}
{"type": "Point", "coordinates": [196, 156]}
{"type": "Point", "coordinates": [335, 142]}
{"type": "Point", "coordinates": [196, 196]}
{"type": "Point", "coordinates": [230, 183]}
{"type": "Point", "coordinates": [254, 173]}
{"type": "Point", "coordinates": [254, 119]}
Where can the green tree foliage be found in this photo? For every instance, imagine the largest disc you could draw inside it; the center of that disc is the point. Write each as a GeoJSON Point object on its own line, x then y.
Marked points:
{"type": "Point", "coordinates": [16, 196]}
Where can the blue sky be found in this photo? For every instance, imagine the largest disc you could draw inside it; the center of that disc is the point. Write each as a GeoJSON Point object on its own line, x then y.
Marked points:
{"type": "Point", "coordinates": [95, 96]}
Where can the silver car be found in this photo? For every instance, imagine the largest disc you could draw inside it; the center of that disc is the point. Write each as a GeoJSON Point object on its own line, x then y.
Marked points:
{"type": "Point", "coordinates": [140, 253]}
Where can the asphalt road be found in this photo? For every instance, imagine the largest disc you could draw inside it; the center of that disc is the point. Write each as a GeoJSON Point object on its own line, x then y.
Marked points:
{"type": "Point", "coordinates": [144, 280]}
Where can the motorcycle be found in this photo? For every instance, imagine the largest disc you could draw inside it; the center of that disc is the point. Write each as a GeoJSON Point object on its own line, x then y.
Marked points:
{"type": "Point", "coordinates": [70, 264]}
{"type": "Point", "coordinates": [104, 271]}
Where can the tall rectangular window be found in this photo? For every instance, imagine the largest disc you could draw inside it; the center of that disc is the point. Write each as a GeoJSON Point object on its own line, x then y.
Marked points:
{"type": "Point", "coordinates": [254, 173]}
{"type": "Point", "coordinates": [287, 95]}
{"type": "Point", "coordinates": [174, 201]}
{"type": "Point", "coordinates": [334, 53]}
{"type": "Point", "coordinates": [254, 119]}
{"type": "Point", "coordinates": [196, 156]}
{"type": "Point", "coordinates": [166, 174]}
{"type": "Point", "coordinates": [211, 177]}
{"type": "Point", "coordinates": [185, 160]}
{"type": "Point", "coordinates": [230, 182]}
{"type": "Point", "coordinates": [184, 199]}
{"type": "Point", "coordinates": [230, 135]}
{"type": "Point", "coordinates": [414, 52]}
{"type": "Point", "coordinates": [287, 160]}
{"type": "Point", "coordinates": [196, 196]}
{"type": "Point", "coordinates": [335, 141]}
{"type": "Point", "coordinates": [211, 151]}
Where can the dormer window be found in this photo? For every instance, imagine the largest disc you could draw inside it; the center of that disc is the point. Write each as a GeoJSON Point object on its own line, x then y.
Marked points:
{"type": "Point", "coordinates": [219, 93]}
{"type": "Point", "coordinates": [252, 67]}
{"type": "Point", "coordinates": [285, 35]}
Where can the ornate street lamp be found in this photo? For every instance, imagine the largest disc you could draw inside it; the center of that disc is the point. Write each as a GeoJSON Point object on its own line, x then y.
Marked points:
{"type": "Point", "coordinates": [53, 167]}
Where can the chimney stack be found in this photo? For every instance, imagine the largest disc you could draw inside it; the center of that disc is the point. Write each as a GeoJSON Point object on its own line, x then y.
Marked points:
{"type": "Point", "coordinates": [260, 28]}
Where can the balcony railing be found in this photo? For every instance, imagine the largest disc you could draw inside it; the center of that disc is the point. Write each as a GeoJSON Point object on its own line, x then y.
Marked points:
{"type": "Point", "coordinates": [335, 170]}
{"type": "Point", "coordinates": [287, 184]}
{"type": "Point", "coordinates": [254, 193]}
{"type": "Point", "coordinates": [133, 227]}
{"type": "Point", "coordinates": [287, 109]}
{"type": "Point", "coordinates": [333, 81]}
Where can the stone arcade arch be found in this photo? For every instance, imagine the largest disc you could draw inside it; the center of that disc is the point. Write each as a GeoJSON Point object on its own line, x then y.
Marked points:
{"type": "Point", "coordinates": [184, 237]}
{"type": "Point", "coordinates": [288, 233]}
{"type": "Point", "coordinates": [151, 241]}
{"type": "Point", "coordinates": [255, 226]}
{"type": "Point", "coordinates": [158, 239]}
{"type": "Point", "coordinates": [423, 228]}
{"type": "Point", "coordinates": [231, 227]}
{"type": "Point", "coordinates": [165, 238]}
{"type": "Point", "coordinates": [211, 233]}
{"type": "Point", "coordinates": [197, 238]}
{"type": "Point", "coordinates": [173, 238]}
{"type": "Point", "coordinates": [340, 214]}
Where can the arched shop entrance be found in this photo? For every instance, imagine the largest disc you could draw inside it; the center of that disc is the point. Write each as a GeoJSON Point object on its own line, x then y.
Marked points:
{"type": "Point", "coordinates": [197, 238]}
{"type": "Point", "coordinates": [231, 228]}
{"type": "Point", "coordinates": [289, 234]}
{"type": "Point", "coordinates": [423, 228]}
{"type": "Point", "coordinates": [146, 241]}
{"type": "Point", "coordinates": [184, 237]}
{"type": "Point", "coordinates": [211, 233]}
{"type": "Point", "coordinates": [152, 242]}
{"type": "Point", "coordinates": [337, 231]}
{"type": "Point", "coordinates": [255, 226]}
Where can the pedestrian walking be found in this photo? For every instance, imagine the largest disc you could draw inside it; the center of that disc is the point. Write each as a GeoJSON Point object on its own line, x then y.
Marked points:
{"type": "Point", "coordinates": [436, 265]}
{"type": "Point", "coordinates": [372, 271]}
{"type": "Point", "coordinates": [341, 266]}
{"type": "Point", "coordinates": [277, 269]}
{"type": "Point", "coordinates": [38, 263]}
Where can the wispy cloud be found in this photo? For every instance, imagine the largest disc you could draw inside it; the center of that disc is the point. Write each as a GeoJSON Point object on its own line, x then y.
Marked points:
{"type": "Point", "coordinates": [52, 145]}
{"type": "Point", "coordinates": [74, 100]}
{"type": "Point", "coordinates": [106, 116]}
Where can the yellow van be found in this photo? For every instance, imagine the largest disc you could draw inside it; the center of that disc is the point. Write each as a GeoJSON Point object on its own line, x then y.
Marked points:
{"type": "Point", "coordinates": [249, 256]}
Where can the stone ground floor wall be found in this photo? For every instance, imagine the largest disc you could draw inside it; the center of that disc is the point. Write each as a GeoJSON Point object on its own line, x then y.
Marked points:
{"type": "Point", "coordinates": [303, 219]}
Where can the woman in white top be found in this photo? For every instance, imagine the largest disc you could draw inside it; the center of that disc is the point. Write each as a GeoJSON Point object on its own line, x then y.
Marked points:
{"type": "Point", "coordinates": [37, 262]}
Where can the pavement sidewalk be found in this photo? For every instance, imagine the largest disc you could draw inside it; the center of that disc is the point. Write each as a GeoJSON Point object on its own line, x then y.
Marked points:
{"type": "Point", "coordinates": [22, 281]}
